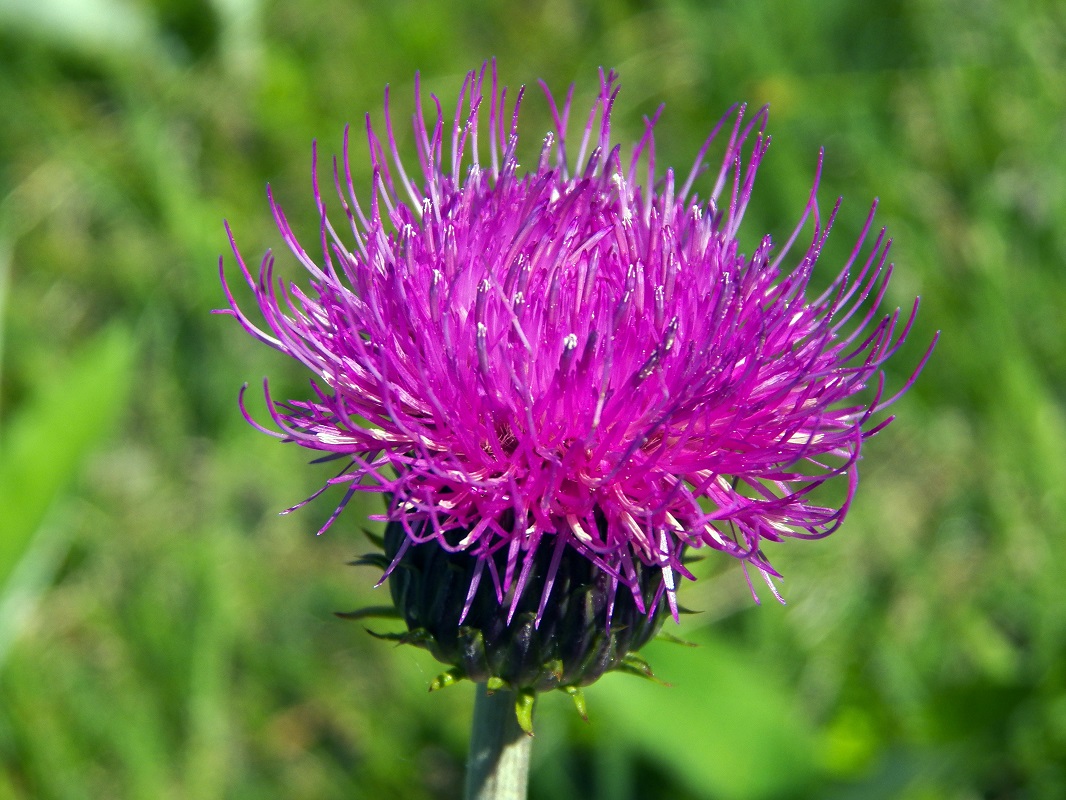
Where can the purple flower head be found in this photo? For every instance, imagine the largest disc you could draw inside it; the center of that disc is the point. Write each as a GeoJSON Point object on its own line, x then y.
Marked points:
{"type": "Point", "coordinates": [578, 359]}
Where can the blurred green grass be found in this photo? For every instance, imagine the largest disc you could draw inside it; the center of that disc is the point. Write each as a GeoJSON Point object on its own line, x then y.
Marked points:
{"type": "Point", "coordinates": [165, 634]}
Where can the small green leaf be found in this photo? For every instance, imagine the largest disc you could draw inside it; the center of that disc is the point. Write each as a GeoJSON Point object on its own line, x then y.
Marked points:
{"type": "Point", "coordinates": [713, 709]}
{"type": "Point", "coordinates": [45, 445]}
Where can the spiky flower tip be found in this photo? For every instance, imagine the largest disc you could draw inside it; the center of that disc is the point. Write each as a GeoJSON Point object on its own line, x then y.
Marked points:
{"type": "Point", "coordinates": [563, 379]}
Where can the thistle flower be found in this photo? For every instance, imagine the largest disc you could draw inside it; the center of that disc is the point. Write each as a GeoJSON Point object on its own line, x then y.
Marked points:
{"type": "Point", "coordinates": [562, 380]}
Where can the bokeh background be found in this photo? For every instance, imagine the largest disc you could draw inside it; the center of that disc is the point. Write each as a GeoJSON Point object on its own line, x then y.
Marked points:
{"type": "Point", "coordinates": [165, 634]}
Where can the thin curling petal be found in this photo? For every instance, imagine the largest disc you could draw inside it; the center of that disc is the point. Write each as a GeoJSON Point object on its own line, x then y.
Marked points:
{"type": "Point", "coordinates": [565, 361]}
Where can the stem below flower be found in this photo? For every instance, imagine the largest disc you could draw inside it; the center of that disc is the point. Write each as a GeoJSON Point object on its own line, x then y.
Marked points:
{"type": "Point", "coordinates": [498, 765]}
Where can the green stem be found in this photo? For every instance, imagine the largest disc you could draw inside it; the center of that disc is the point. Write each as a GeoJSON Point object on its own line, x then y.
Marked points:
{"type": "Point", "coordinates": [498, 765]}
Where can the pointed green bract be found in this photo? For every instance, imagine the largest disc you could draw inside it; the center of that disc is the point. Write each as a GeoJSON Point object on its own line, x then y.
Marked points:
{"type": "Point", "coordinates": [376, 539]}
{"type": "Point", "coordinates": [665, 636]}
{"type": "Point", "coordinates": [635, 665]}
{"type": "Point", "coordinates": [370, 612]}
{"type": "Point", "coordinates": [418, 638]}
{"type": "Point", "coordinates": [371, 560]}
{"type": "Point", "coordinates": [447, 678]}
{"type": "Point", "coordinates": [578, 697]}
{"type": "Point", "coordinates": [523, 709]}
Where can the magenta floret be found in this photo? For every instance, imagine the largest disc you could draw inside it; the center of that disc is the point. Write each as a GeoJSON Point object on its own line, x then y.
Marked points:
{"type": "Point", "coordinates": [579, 356]}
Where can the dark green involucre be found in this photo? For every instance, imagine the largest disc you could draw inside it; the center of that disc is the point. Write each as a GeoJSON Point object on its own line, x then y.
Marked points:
{"type": "Point", "coordinates": [572, 646]}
